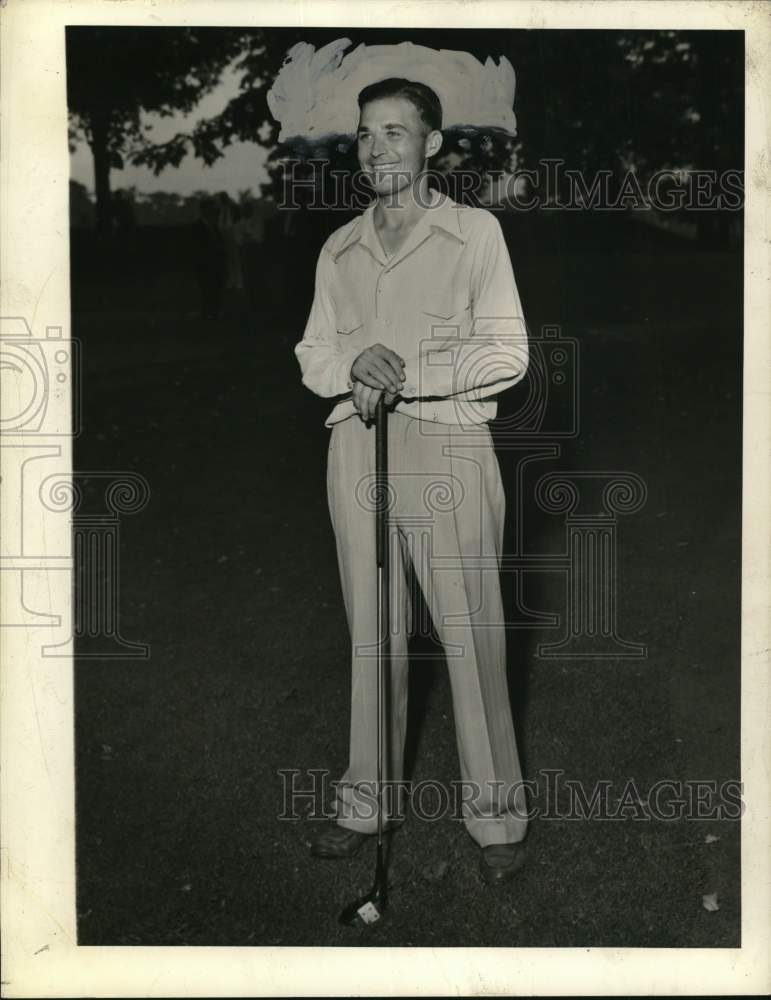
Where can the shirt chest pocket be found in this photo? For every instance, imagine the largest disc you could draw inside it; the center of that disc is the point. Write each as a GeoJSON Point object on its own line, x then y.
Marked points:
{"type": "Point", "coordinates": [452, 309]}
{"type": "Point", "coordinates": [349, 320]}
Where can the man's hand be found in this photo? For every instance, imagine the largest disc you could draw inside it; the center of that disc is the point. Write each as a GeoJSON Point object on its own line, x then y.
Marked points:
{"type": "Point", "coordinates": [379, 368]}
{"type": "Point", "coordinates": [365, 399]}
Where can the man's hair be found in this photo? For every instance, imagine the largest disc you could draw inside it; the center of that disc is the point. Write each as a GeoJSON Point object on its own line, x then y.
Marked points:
{"type": "Point", "coordinates": [422, 98]}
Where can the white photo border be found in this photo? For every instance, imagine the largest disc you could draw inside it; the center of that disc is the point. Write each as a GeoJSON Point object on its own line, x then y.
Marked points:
{"type": "Point", "coordinates": [37, 869]}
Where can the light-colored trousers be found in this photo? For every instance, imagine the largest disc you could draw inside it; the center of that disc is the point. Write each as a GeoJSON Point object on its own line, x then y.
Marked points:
{"type": "Point", "coordinates": [447, 511]}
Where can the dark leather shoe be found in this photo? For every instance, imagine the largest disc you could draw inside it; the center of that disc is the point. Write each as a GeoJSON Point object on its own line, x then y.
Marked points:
{"type": "Point", "coordinates": [500, 862]}
{"type": "Point", "coordinates": [336, 841]}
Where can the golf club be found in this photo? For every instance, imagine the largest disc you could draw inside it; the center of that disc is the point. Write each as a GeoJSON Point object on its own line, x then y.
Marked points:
{"type": "Point", "coordinates": [368, 909]}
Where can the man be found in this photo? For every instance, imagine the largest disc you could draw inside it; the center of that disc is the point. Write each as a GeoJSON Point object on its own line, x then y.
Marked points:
{"type": "Point", "coordinates": [415, 300]}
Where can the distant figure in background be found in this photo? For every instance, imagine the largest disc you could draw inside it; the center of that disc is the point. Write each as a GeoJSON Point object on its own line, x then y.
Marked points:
{"type": "Point", "coordinates": [123, 212]}
{"type": "Point", "coordinates": [228, 222]}
{"type": "Point", "coordinates": [209, 251]}
{"type": "Point", "coordinates": [124, 232]}
{"type": "Point", "coordinates": [251, 237]}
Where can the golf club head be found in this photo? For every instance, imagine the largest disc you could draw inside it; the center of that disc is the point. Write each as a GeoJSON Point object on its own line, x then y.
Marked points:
{"type": "Point", "coordinates": [367, 909]}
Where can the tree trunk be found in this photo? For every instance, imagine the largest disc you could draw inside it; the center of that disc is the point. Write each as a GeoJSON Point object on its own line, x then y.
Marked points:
{"type": "Point", "coordinates": [101, 175]}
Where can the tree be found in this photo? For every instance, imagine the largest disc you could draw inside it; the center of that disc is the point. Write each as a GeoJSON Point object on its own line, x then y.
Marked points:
{"type": "Point", "coordinates": [114, 74]}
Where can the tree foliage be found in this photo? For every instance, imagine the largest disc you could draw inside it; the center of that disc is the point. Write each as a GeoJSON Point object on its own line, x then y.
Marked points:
{"type": "Point", "coordinates": [114, 74]}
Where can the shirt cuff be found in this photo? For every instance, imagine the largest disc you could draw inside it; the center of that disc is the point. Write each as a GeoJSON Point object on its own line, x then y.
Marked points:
{"type": "Point", "coordinates": [342, 374]}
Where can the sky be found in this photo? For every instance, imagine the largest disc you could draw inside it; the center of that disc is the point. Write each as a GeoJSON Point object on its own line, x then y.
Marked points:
{"type": "Point", "coordinates": [242, 166]}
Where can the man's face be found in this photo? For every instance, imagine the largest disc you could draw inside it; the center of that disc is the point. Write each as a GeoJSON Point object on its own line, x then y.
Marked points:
{"type": "Point", "coordinates": [393, 143]}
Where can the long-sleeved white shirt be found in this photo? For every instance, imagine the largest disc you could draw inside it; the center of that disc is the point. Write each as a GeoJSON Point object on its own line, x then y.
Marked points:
{"type": "Point", "coordinates": [446, 301]}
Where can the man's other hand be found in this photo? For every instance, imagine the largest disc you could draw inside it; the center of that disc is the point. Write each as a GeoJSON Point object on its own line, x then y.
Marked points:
{"type": "Point", "coordinates": [379, 368]}
{"type": "Point", "coordinates": [365, 399]}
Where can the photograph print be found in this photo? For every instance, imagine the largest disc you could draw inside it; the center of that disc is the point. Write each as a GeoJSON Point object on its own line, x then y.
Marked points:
{"type": "Point", "coordinates": [407, 485]}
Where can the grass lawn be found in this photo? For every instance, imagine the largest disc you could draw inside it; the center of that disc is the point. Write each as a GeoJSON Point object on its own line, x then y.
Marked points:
{"type": "Point", "coordinates": [230, 575]}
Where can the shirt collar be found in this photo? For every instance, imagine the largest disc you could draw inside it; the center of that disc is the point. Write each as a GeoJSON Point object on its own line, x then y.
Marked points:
{"type": "Point", "coordinates": [442, 213]}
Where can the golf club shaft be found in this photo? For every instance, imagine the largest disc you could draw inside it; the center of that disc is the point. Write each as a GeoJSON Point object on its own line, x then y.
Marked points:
{"type": "Point", "coordinates": [369, 908]}
{"type": "Point", "coordinates": [381, 626]}
{"type": "Point", "coordinates": [381, 484]}
{"type": "Point", "coordinates": [383, 610]}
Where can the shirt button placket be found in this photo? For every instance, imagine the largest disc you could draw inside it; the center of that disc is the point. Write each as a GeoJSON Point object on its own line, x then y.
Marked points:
{"type": "Point", "coordinates": [388, 318]}
{"type": "Point", "coordinates": [377, 295]}
{"type": "Point", "coordinates": [378, 310]}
